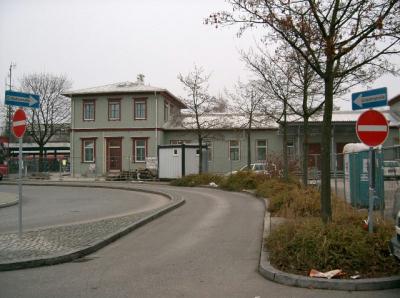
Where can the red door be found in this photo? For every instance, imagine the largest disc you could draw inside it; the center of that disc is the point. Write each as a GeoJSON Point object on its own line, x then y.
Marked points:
{"type": "Point", "coordinates": [114, 155]}
{"type": "Point", "coordinates": [339, 156]}
{"type": "Point", "coordinates": [314, 155]}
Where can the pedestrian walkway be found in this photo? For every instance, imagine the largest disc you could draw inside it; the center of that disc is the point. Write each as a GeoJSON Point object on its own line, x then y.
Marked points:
{"type": "Point", "coordinates": [58, 244]}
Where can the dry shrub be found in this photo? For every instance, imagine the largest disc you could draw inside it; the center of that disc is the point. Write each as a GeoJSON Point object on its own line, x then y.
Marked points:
{"type": "Point", "coordinates": [290, 199]}
{"type": "Point", "coordinates": [196, 180]}
{"type": "Point", "coordinates": [243, 180]}
{"type": "Point", "coordinates": [306, 243]}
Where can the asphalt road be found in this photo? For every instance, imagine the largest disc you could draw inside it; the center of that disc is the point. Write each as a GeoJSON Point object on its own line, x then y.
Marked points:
{"type": "Point", "coordinates": [209, 247]}
{"type": "Point", "coordinates": [48, 206]}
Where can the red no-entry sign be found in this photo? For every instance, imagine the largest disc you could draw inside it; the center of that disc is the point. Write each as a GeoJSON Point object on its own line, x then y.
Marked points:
{"type": "Point", "coordinates": [19, 123]}
{"type": "Point", "coordinates": [372, 128]}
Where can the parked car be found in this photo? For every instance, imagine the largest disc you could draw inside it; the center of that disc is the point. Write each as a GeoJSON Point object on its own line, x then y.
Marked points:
{"type": "Point", "coordinates": [257, 167]}
{"type": "Point", "coordinates": [391, 169]}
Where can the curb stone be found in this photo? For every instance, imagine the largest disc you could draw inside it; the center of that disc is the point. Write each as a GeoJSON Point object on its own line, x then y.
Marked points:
{"type": "Point", "coordinates": [269, 272]}
{"type": "Point", "coordinates": [78, 253]}
{"type": "Point", "coordinates": [8, 199]}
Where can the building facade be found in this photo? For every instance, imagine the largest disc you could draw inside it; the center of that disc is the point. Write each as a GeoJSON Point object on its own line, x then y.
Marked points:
{"type": "Point", "coordinates": [119, 127]}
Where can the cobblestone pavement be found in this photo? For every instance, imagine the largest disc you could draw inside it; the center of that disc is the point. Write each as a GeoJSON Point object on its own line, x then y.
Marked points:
{"type": "Point", "coordinates": [62, 240]}
{"type": "Point", "coordinates": [59, 240]}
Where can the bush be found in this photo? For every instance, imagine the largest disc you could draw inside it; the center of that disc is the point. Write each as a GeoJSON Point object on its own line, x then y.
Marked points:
{"type": "Point", "coordinates": [243, 180]}
{"type": "Point", "coordinates": [303, 244]}
{"type": "Point", "coordinates": [195, 180]}
{"type": "Point", "coordinates": [290, 199]}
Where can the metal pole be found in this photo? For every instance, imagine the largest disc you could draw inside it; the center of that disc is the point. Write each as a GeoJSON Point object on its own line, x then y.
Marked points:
{"type": "Point", "coordinates": [59, 163]}
{"type": "Point", "coordinates": [20, 189]}
{"type": "Point", "coordinates": [344, 177]}
{"type": "Point", "coordinates": [371, 191]}
{"type": "Point", "coordinates": [9, 110]}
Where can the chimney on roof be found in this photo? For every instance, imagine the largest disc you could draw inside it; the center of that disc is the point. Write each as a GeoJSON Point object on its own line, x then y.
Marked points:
{"type": "Point", "coordinates": [140, 79]}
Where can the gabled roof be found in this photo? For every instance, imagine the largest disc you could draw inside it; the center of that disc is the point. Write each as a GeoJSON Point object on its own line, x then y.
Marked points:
{"type": "Point", "coordinates": [123, 88]}
{"type": "Point", "coordinates": [219, 121]}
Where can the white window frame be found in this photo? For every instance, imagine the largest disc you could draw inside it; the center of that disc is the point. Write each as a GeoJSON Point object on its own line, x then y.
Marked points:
{"type": "Point", "coordinates": [140, 147]}
{"type": "Point", "coordinates": [140, 102]}
{"type": "Point", "coordinates": [209, 149]}
{"type": "Point", "coordinates": [86, 145]}
{"type": "Point", "coordinates": [166, 111]}
{"type": "Point", "coordinates": [112, 103]}
{"type": "Point", "coordinates": [88, 104]}
{"type": "Point", "coordinates": [260, 147]}
{"type": "Point", "coordinates": [234, 147]}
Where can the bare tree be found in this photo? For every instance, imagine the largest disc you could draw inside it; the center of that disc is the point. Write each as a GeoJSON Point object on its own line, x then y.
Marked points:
{"type": "Point", "coordinates": [220, 105]}
{"type": "Point", "coordinates": [54, 109]}
{"type": "Point", "coordinates": [308, 98]}
{"type": "Point", "coordinates": [275, 83]}
{"type": "Point", "coordinates": [199, 102]}
{"type": "Point", "coordinates": [248, 101]}
{"type": "Point", "coordinates": [356, 38]}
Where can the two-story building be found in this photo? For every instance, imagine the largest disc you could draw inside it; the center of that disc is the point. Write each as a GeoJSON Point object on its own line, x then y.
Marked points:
{"type": "Point", "coordinates": [115, 127]}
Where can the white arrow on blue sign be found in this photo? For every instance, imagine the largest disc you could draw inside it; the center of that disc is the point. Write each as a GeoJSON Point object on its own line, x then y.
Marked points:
{"type": "Point", "coordinates": [20, 99]}
{"type": "Point", "coordinates": [369, 99]}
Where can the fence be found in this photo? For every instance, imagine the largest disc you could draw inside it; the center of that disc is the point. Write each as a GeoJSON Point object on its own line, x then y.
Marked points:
{"type": "Point", "coordinates": [121, 168]}
{"type": "Point", "coordinates": [38, 167]}
{"type": "Point", "coordinates": [388, 168]}
{"type": "Point", "coordinates": [390, 171]}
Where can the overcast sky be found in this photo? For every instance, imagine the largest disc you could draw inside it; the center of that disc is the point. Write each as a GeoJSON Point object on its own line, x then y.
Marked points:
{"type": "Point", "coordinates": [99, 42]}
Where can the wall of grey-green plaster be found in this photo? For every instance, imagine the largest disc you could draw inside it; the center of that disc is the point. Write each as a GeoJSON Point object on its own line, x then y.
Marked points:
{"type": "Point", "coordinates": [127, 111]}
{"type": "Point", "coordinates": [220, 162]}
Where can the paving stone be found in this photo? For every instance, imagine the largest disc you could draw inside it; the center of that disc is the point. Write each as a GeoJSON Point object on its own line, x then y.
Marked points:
{"type": "Point", "coordinates": [63, 239]}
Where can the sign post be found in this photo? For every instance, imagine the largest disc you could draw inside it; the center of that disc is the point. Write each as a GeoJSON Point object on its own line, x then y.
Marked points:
{"type": "Point", "coordinates": [19, 127]}
{"type": "Point", "coordinates": [372, 129]}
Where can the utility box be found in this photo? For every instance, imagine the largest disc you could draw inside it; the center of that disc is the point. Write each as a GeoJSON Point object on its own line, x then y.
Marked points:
{"type": "Point", "coordinates": [176, 161]}
{"type": "Point", "coordinates": [356, 174]}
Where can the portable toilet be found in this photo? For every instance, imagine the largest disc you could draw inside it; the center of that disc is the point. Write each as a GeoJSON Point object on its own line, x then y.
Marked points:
{"type": "Point", "coordinates": [356, 175]}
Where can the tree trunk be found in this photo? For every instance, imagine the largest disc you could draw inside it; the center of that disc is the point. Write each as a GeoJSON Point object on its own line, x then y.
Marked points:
{"type": "Point", "coordinates": [248, 147]}
{"type": "Point", "coordinates": [200, 139]}
{"type": "Point", "coordinates": [326, 209]}
{"type": "Point", "coordinates": [285, 138]}
{"type": "Point", "coordinates": [40, 161]}
{"type": "Point", "coordinates": [305, 152]}
{"type": "Point", "coordinates": [306, 78]}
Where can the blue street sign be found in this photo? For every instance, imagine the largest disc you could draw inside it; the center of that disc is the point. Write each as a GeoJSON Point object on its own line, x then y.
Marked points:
{"type": "Point", "coordinates": [21, 99]}
{"type": "Point", "coordinates": [369, 99]}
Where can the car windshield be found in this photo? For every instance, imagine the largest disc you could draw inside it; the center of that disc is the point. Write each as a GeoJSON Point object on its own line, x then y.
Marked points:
{"type": "Point", "coordinates": [391, 164]}
{"type": "Point", "coordinates": [253, 167]}
{"type": "Point", "coordinates": [259, 167]}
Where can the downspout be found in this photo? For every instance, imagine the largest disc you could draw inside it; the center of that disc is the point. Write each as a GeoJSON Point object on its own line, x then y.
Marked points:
{"type": "Point", "coordinates": [71, 141]}
{"type": "Point", "coordinates": [156, 126]}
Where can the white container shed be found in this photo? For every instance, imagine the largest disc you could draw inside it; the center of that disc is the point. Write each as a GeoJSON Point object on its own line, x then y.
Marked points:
{"type": "Point", "coordinates": [176, 161]}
